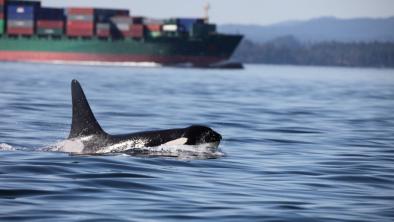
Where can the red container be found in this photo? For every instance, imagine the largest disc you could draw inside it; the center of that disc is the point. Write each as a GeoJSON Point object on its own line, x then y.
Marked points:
{"type": "Point", "coordinates": [103, 33]}
{"type": "Point", "coordinates": [80, 11]}
{"type": "Point", "coordinates": [1, 16]}
{"type": "Point", "coordinates": [80, 28]}
{"type": "Point", "coordinates": [126, 34]}
{"type": "Point", "coordinates": [79, 33]}
{"type": "Point", "coordinates": [137, 31]}
{"type": "Point", "coordinates": [20, 31]}
{"type": "Point", "coordinates": [153, 27]}
{"type": "Point", "coordinates": [2, 2]}
{"type": "Point", "coordinates": [80, 24]}
{"type": "Point", "coordinates": [49, 24]}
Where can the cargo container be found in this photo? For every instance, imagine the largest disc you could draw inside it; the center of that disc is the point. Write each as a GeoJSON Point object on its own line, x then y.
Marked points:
{"type": "Point", "coordinates": [188, 23]}
{"type": "Point", "coordinates": [20, 12]}
{"type": "Point", "coordinates": [79, 11]}
{"type": "Point", "coordinates": [137, 31]}
{"type": "Point", "coordinates": [51, 24]}
{"type": "Point", "coordinates": [103, 26]}
{"type": "Point", "coordinates": [122, 19]}
{"type": "Point", "coordinates": [153, 27]}
{"type": "Point", "coordinates": [80, 22]}
{"type": "Point", "coordinates": [19, 31]}
{"type": "Point", "coordinates": [50, 14]}
{"type": "Point", "coordinates": [50, 28]}
{"type": "Point", "coordinates": [49, 32]}
{"type": "Point", "coordinates": [139, 20]}
{"type": "Point", "coordinates": [105, 15]}
{"type": "Point", "coordinates": [83, 29]}
{"type": "Point", "coordinates": [154, 34]}
{"type": "Point", "coordinates": [80, 17]}
{"type": "Point", "coordinates": [103, 30]}
{"type": "Point", "coordinates": [103, 33]}
{"type": "Point", "coordinates": [79, 32]}
{"type": "Point", "coordinates": [20, 19]}
{"type": "Point", "coordinates": [121, 26]}
{"type": "Point", "coordinates": [20, 23]}
{"type": "Point", "coordinates": [170, 28]}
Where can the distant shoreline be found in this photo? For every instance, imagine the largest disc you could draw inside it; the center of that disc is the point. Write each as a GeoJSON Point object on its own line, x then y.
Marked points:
{"type": "Point", "coordinates": [288, 51]}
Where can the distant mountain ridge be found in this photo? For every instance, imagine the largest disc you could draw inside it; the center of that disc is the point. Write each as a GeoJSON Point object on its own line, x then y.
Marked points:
{"type": "Point", "coordinates": [320, 30]}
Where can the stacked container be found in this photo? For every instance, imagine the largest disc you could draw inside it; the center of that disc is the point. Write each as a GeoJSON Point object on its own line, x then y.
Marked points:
{"type": "Point", "coordinates": [50, 22]}
{"type": "Point", "coordinates": [20, 17]}
{"type": "Point", "coordinates": [154, 30]}
{"type": "Point", "coordinates": [80, 22]}
{"type": "Point", "coordinates": [122, 26]}
{"type": "Point", "coordinates": [186, 24]}
{"type": "Point", "coordinates": [137, 31]}
{"type": "Point", "coordinates": [153, 27]}
{"type": "Point", "coordinates": [139, 20]}
{"type": "Point", "coordinates": [102, 18]}
{"type": "Point", "coordinates": [170, 27]}
{"type": "Point", "coordinates": [2, 16]}
{"type": "Point", "coordinates": [103, 30]}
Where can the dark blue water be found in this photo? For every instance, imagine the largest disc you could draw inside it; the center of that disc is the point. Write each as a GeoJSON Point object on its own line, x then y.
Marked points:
{"type": "Point", "coordinates": [300, 144]}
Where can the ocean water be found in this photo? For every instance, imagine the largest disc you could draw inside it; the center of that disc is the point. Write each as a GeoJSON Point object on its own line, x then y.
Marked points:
{"type": "Point", "coordinates": [299, 144]}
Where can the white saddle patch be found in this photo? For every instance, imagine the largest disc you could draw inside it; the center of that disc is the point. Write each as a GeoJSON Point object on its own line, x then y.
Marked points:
{"type": "Point", "coordinates": [69, 146]}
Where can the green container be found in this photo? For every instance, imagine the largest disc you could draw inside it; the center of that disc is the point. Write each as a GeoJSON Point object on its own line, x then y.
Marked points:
{"type": "Point", "coordinates": [1, 26]}
{"type": "Point", "coordinates": [154, 34]}
{"type": "Point", "coordinates": [49, 32]}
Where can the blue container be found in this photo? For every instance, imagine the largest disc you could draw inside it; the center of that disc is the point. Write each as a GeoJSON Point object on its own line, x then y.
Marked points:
{"type": "Point", "coordinates": [50, 14]}
{"type": "Point", "coordinates": [105, 15]}
{"type": "Point", "coordinates": [19, 2]}
{"type": "Point", "coordinates": [187, 24]}
{"type": "Point", "coordinates": [19, 12]}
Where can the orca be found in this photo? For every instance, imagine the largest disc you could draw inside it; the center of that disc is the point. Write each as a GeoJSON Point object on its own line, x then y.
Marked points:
{"type": "Point", "coordinates": [87, 137]}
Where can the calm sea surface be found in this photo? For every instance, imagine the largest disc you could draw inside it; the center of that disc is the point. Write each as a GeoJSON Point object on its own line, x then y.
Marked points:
{"type": "Point", "coordinates": [300, 144]}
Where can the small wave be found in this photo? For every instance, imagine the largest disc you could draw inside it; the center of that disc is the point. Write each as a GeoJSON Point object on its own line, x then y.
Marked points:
{"type": "Point", "coordinates": [136, 148]}
{"type": "Point", "coordinates": [182, 152]}
{"type": "Point", "coordinates": [6, 147]}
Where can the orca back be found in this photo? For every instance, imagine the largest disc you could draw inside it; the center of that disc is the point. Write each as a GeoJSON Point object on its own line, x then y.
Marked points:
{"type": "Point", "coordinates": [83, 121]}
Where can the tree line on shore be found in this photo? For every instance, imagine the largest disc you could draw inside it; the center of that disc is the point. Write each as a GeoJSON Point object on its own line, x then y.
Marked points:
{"type": "Point", "coordinates": [288, 50]}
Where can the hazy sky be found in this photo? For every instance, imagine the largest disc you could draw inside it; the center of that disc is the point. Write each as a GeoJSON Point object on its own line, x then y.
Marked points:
{"type": "Point", "coordinates": [245, 11]}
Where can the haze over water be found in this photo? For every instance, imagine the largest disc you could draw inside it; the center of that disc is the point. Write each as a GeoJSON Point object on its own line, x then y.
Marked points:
{"type": "Point", "coordinates": [300, 144]}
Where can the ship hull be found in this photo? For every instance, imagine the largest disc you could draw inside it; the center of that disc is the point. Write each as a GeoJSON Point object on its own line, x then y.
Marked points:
{"type": "Point", "coordinates": [167, 51]}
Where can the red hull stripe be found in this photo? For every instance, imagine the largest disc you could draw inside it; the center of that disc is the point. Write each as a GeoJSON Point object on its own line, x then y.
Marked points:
{"type": "Point", "coordinates": [37, 56]}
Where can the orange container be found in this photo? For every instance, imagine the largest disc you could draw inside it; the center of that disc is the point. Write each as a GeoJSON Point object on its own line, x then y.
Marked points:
{"type": "Point", "coordinates": [154, 27]}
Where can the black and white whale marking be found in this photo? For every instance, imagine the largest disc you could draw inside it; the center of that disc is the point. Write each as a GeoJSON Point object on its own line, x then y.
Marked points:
{"type": "Point", "coordinates": [87, 136]}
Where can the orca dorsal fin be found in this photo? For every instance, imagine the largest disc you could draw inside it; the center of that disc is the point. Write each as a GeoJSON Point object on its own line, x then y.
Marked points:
{"type": "Point", "coordinates": [83, 121]}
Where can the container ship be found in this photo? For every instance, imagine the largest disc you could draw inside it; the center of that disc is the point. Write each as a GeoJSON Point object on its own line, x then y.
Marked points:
{"type": "Point", "coordinates": [33, 33]}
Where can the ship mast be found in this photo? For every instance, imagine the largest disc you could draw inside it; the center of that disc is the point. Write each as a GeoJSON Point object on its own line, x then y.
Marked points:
{"type": "Point", "coordinates": [206, 12]}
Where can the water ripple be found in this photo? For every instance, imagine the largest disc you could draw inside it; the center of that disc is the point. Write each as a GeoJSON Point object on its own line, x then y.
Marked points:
{"type": "Point", "coordinates": [300, 144]}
